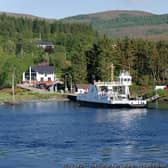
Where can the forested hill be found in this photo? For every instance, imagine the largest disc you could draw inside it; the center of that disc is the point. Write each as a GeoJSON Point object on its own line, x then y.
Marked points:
{"type": "Point", "coordinates": [18, 50]}
{"type": "Point", "coordinates": [19, 15]}
{"type": "Point", "coordinates": [79, 51]}
{"type": "Point", "coordinates": [26, 16]}
{"type": "Point", "coordinates": [118, 24]}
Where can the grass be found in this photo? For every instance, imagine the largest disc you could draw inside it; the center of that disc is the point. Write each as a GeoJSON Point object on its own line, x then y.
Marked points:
{"type": "Point", "coordinates": [147, 92]}
{"type": "Point", "coordinates": [23, 95]}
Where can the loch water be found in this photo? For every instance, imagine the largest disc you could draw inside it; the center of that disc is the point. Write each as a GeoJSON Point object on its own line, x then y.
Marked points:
{"type": "Point", "coordinates": [54, 134]}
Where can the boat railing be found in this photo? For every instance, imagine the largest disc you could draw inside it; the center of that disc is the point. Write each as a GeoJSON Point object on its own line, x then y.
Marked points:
{"type": "Point", "coordinates": [108, 84]}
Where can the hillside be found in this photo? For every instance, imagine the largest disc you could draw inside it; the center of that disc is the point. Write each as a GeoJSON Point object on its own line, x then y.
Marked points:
{"type": "Point", "coordinates": [27, 16]}
{"type": "Point", "coordinates": [118, 24]}
{"type": "Point", "coordinates": [19, 36]}
{"type": "Point", "coordinates": [80, 51]}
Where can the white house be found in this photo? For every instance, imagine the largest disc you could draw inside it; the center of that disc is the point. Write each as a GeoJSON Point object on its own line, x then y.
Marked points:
{"type": "Point", "coordinates": [40, 73]}
{"type": "Point", "coordinates": [157, 87]}
{"type": "Point", "coordinates": [45, 44]}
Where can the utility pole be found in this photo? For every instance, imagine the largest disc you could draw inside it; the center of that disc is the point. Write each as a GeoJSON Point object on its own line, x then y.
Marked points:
{"type": "Point", "coordinates": [71, 83]}
{"type": "Point", "coordinates": [13, 85]}
{"type": "Point", "coordinates": [40, 36]}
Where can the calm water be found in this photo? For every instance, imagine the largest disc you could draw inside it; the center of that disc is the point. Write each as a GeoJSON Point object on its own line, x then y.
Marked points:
{"type": "Point", "coordinates": [49, 135]}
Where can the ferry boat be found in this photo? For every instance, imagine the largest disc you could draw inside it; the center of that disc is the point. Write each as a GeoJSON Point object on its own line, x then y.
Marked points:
{"type": "Point", "coordinates": [115, 94]}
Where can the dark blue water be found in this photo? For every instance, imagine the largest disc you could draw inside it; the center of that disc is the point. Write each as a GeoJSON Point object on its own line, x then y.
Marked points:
{"type": "Point", "coordinates": [50, 135]}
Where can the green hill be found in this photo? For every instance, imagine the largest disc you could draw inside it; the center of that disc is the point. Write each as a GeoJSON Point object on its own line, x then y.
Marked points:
{"type": "Point", "coordinates": [118, 24]}
{"type": "Point", "coordinates": [80, 51]}
{"type": "Point", "coordinates": [19, 35]}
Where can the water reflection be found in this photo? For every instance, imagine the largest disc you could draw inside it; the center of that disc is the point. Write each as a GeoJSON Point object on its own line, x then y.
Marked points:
{"type": "Point", "coordinates": [124, 116]}
{"type": "Point", "coordinates": [42, 107]}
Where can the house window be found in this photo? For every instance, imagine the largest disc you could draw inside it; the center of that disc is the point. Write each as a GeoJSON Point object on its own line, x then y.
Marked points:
{"type": "Point", "coordinates": [41, 79]}
{"type": "Point", "coordinates": [49, 79]}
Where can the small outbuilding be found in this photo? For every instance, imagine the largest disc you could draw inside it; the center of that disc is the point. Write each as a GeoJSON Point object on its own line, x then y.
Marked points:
{"type": "Point", "coordinates": [82, 88]}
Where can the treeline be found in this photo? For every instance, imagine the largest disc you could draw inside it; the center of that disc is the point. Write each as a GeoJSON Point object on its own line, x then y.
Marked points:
{"type": "Point", "coordinates": [79, 51]}
{"type": "Point", "coordinates": [147, 61]}
{"type": "Point", "coordinates": [122, 20]}
{"type": "Point", "coordinates": [125, 20]}
{"type": "Point", "coordinates": [32, 28]}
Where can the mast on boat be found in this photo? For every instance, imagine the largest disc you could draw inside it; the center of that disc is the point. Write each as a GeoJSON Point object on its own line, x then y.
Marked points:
{"type": "Point", "coordinates": [112, 72]}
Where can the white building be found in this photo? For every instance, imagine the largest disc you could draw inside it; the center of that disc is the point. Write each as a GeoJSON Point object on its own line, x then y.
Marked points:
{"type": "Point", "coordinates": [160, 87]}
{"type": "Point", "coordinates": [45, 44]}
{"type": "Point", "coordinates": [39, 74]}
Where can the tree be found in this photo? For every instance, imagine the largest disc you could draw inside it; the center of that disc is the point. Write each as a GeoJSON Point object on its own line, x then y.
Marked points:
{"type": "Point", "coordinates": [79, 66]}
{"type": "Point", "coordinates": [162, 48]}
{"type": "Point", "coordinates": [153, 61]}
{"type": "Point", "coordinates": [93, 68]}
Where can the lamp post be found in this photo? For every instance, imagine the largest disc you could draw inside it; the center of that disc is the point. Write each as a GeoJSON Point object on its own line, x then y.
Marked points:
{"type": "Point", "coordinates": [70, 83]}
{"type": "Point", "coordinates": [66, 83]}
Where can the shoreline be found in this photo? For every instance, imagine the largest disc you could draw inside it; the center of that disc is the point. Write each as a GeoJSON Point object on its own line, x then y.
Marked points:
{"type": "Point", "coordinates": [20, 99]}
{"type": "Point", "coordinates": [31, 101]}
{"type": "Point", "coordinates": [30, 97]}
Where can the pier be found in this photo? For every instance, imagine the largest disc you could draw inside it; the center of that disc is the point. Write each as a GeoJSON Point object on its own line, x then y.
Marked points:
{"type": "Point", "coordinates": [153, 98]}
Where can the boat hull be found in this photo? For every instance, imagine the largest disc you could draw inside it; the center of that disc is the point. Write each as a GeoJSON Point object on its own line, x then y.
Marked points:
{"type": "Point", "coordinates": [72, 97]}
{"type": "Point", "coordinates": [106, 105]}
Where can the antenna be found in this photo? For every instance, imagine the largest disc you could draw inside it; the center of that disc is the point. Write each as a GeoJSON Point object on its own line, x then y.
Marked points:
{"type": "Point", "coordinates": [112, 72]}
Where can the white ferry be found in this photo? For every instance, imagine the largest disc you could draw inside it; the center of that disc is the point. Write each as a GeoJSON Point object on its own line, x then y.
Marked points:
{"type": "Point", "coordinates": [114, 94]}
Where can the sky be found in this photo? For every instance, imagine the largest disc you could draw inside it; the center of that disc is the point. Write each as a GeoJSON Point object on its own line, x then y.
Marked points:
{"type": "Point", "coordinates": [58, 9]}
